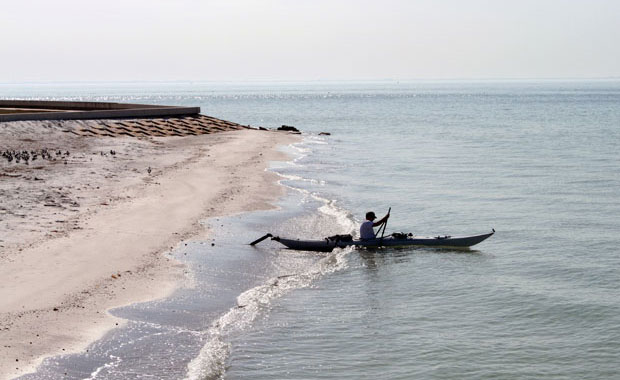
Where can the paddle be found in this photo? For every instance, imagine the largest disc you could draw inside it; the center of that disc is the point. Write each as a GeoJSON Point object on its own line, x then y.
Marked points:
{"type": "Point", "coordinates": [384, 225]}
{"type": "Point", "coordinates": [260, 239]}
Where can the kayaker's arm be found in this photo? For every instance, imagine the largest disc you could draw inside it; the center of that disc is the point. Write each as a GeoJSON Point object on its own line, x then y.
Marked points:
{"type": "Point", "coordinates": [383, 220]}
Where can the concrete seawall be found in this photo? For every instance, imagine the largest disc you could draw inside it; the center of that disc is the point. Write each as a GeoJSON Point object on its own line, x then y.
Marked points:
{"type": "Point", "coordinates": [56, 110]}
{"type": "Point", "coordinates": [112, 119]}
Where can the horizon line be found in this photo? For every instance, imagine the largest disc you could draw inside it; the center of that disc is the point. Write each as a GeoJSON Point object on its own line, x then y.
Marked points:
{"type": "Point", "coordinates": [292, 80]}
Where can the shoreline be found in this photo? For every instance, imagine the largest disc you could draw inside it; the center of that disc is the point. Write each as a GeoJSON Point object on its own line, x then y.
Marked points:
{"type": "Point", "coordinates": [56, 291]}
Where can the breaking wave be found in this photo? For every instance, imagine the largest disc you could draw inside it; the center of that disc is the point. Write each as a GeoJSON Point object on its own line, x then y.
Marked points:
{"type": "Point", "coordinates": [211, 361]}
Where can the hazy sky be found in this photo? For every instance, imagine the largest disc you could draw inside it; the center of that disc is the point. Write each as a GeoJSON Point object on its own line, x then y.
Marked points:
{"type": "Point", "coordinates": [65, 40]}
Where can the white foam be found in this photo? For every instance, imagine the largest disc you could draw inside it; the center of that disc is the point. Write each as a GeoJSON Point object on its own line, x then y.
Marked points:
{"type": "Point", "coordinates": [342, 216]}
{"type": "Point", "coordinates": [115, 361]}
{"type": "Point", "coordinates": [211, 361]}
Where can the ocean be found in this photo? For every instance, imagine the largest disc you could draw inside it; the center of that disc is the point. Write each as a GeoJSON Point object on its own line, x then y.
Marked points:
{"type": "Point", "coordinates": [538, 161]}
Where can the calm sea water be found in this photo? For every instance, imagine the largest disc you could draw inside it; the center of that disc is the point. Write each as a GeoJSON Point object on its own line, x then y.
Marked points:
{"type": "Point", "coordinates": [537, 161]}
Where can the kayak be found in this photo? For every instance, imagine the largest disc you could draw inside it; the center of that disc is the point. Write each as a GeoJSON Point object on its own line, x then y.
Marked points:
{"type": "Point", "coordinates": [394, 240]}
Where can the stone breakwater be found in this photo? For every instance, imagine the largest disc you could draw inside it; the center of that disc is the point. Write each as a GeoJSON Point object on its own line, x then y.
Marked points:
{"type": "Point", "coordinates": [174, 126]}
{"type": "Point", "coordinates": [111, 119]}
{"type": "Point", "coordinates": [193, 125]}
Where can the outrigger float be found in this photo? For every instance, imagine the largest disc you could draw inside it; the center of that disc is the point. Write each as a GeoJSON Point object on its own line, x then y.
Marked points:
{"type": "Point", "coordinates": [393, 240]}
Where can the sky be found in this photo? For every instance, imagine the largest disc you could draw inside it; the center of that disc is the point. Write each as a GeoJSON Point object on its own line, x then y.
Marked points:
{"type": "Point", "coordinates": [244, 40]}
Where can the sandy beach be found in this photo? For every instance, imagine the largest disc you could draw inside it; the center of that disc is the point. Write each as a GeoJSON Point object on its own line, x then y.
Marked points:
{"type": "Point", "coordinates": [86, 226]}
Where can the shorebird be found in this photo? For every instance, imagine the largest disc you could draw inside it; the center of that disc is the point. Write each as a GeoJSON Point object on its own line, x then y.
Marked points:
{"type": "Point", "coordinates": [8, 155]}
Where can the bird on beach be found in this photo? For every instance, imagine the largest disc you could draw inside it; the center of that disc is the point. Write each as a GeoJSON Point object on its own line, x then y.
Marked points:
{"type": "Point", "coordinates": [149, 170]}
{"type": "Point", "coordinates": [8, 155]}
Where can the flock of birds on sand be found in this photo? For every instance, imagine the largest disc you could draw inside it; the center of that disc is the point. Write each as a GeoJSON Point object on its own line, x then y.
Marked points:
{"type": "Point", "coordinates": [33, 155]}
{"type": "Point", "coordinates": [26, 156]}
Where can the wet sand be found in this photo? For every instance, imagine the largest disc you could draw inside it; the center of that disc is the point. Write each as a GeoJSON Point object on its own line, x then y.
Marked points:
{"type": "Point", "coordinates": [85, 226]}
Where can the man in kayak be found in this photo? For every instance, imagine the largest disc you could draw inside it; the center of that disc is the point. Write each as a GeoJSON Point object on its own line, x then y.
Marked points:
{"type": "Point", "coordinates": [366, 229]}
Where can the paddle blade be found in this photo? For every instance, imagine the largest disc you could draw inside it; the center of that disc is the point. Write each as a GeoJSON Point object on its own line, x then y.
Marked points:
{"type": "Point", "coordinates": [261, 239]}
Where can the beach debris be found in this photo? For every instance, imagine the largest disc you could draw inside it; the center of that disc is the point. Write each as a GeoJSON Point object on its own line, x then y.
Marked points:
{"type": "Point", "coordinates": [325, 134]}
{"type": "Point", "coordinates": [289, 128]}
{"type": "Point", "coordinates": [149, 170]}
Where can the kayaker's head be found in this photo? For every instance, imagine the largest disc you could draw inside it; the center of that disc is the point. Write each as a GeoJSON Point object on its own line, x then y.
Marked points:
{"type": "Point", "coordinates": [370, 216]}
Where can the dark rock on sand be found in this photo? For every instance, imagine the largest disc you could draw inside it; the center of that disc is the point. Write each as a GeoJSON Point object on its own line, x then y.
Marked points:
{"type": "Point", "coordinates": [288, 128]}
